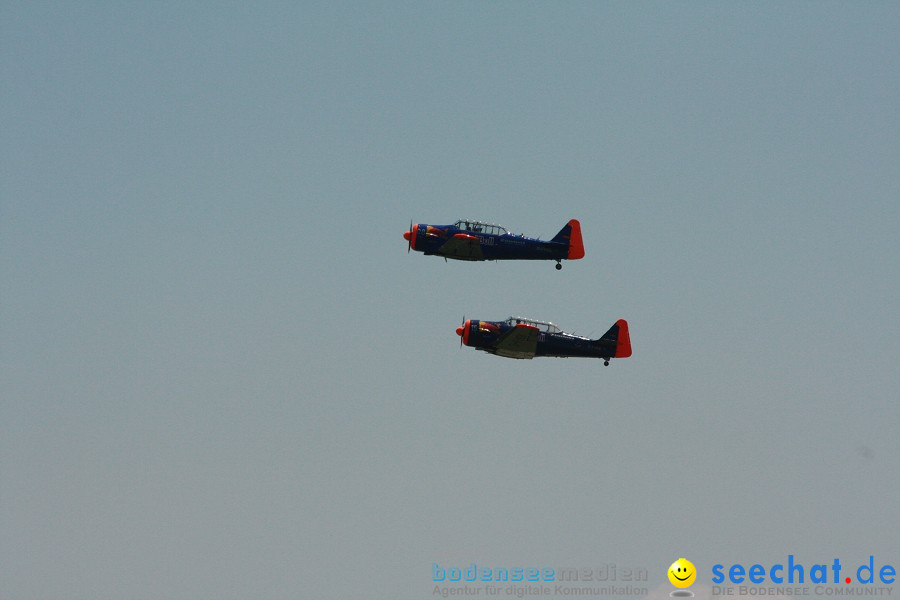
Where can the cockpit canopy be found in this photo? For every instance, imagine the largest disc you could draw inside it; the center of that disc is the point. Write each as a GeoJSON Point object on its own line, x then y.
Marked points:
{"type": "Point", "coordinates": [542, 325]}
{"type": "Point", "coordinates": [479, 227]}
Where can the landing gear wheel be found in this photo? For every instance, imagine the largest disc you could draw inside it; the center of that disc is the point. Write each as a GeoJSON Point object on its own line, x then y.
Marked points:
{"type": "Point", "coordinates": [558, 266]}
{"type": "Point", "coordinates": [605, 363]}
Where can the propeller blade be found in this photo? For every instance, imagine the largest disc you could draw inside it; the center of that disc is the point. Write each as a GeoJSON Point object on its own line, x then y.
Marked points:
{"type": "Point", "coordinates": [409, 237]}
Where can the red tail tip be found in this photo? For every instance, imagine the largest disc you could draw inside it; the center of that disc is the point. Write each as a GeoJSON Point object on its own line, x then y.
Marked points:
{"type": "Point", "coordinates": [623, 341]}
{"type": "Point", "coordinates": [576, 245]}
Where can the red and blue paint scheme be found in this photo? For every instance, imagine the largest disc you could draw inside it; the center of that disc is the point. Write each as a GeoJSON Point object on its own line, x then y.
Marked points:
{"type": "Point", "coordinates": [517, 337]}
{"type": "Point", "coordinates": [474, 240]}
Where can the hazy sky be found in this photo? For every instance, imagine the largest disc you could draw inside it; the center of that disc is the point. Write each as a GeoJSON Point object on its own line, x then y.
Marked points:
{"type": "Point", "coordinates": [224, 377]}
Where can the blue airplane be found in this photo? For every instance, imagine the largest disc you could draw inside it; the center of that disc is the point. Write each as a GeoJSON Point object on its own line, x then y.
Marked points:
{"type": "Point", "coordinates": [474, 240]}
{"type": "Point", "coordinates": [517, 337]}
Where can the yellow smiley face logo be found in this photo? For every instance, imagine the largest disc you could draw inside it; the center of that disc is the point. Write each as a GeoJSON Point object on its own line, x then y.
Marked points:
{"type": "Point", "coordinates": [682, 573]}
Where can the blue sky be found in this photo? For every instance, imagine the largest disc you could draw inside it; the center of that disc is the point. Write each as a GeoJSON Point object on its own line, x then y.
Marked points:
{"type": "Point", "coordinates": [223, 376]}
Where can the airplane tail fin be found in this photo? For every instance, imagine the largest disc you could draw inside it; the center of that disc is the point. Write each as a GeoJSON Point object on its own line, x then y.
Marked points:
{"type": "Point", "coordinates": [571, 235]}
{"type": "Point", "coordinates": [617, 340]}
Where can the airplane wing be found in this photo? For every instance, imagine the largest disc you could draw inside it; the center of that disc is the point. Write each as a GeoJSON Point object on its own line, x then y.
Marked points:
{"type": "Point", "coordinates": [519, 342]}
{"type": "Point", "coordinates": [462, 246]}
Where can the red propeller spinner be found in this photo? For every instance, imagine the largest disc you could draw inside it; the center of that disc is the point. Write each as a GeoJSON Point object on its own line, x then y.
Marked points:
{"type": "Point", "coordinates": [410, 237]}
{"type": "Point", "coordinates": [463, 332]}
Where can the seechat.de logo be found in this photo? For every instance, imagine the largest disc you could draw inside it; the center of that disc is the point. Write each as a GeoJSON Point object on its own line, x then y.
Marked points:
{"type": "Point", "coordinates": [796, 572]}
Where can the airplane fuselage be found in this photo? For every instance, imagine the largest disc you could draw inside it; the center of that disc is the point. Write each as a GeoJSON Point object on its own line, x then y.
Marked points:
{"type": "Point", "coordinates": [507, 246]}
{"type": "Point", "coordinates": [476, 241]}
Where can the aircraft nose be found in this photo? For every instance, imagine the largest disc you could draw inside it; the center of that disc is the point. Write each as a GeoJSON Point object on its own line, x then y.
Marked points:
{"type": "Point", "coordinates": [410, 236]}
{"type": "Point", "coordinates": [463, 332]}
